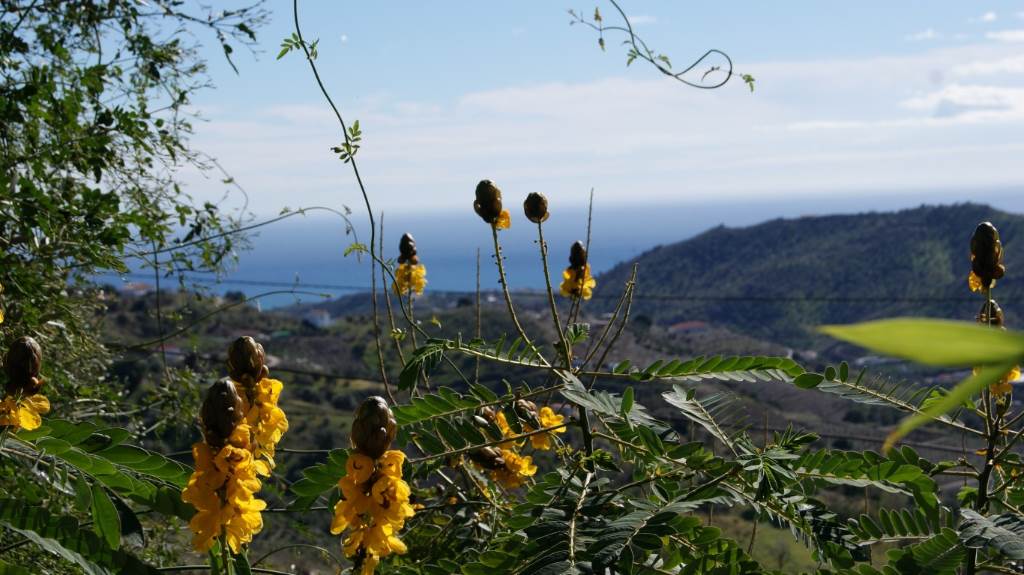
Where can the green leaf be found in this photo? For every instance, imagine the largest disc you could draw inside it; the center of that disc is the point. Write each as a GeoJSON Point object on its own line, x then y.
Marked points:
{"type": "Point", "coordinates": [627, 401]}
{"type": "Point", "coordinates": [934, 342]}
{"type": "Point", "coordinates": [959, 394]}
{"type": "Point", "coordinates": [808, 380]}
{"type": "Point", "coordinates": [106, 522]}
{"type": "Point", "coordinates": [64, 537]}
{"type": "Point", "coordinates": [1002, 533]}
{"type": "Point", "coordinates": [83, 494]}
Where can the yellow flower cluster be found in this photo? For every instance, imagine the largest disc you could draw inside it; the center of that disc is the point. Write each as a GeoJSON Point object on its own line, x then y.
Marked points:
{"type": "Point", "coordinates": [266, 421]}
{"type": "Point", "coordinates": [410, 278]}
{"type": "Point", "coordinates": [541, 441]}
{"type": "Point", "coordinates": [517, 468]}
{"type": "Point", "coordinates": [1, 309]}
{"type": "Point", "coordinates": [974, 282]}
{"type": "Point", "coordinates": [374, 507]}
{"type": "Point", "coordinates": [24, 412]}
{"type": "Point", "coordinates": [548, 418]}
{"type": "Point", "coordinates": [222, 489]}
{"type": "Point", "coordinates": [504, 221]}
{"type": "Point", "coordinates": [1005, 384]}
{"type": "Point", "coordinates": [576, 283]}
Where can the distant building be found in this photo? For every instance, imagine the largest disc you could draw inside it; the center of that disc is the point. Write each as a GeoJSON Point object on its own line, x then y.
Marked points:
{"type": "Point", "coordinates": [688, 327]}
{"type": "Point", "coordinates": [320, 318]}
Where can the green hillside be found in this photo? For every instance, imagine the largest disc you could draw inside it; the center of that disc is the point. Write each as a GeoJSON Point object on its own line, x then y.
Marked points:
{"type": "Point", "coordinates": [776, 279]}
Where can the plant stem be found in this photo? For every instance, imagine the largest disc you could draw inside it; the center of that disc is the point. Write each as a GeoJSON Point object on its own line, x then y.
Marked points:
{"type": "Point", "coordinates": [567, 349]}
{"type": "Point", "coordinates": [508, 297]}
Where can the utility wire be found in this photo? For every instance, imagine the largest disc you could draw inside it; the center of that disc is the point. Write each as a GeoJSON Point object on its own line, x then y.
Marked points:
{"type": "Point", "coordinates": [639, 296]}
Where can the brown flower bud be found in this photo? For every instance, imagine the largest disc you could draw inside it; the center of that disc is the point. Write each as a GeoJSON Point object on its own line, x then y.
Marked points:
{"type": "Point", "coordinates": [996, 314]}
{"type": "Point", "coordinates": [407, 250]}
{"type": "Point", "coordinates": [488, 201]}
{"type": "Point", "coordinates": [21, 364]}
{"type": "Point", "coordinates": [578, 256]}
{"type": "Point", "coordinates": [487, 457]}
{"type": "Point", "coordinates": [987, 254]}
{"type": "Point", "coordinates": [487, 412]}
{"type": "Point", "coordinates": [221, 412]}
{"type": "Point", "coordinates": [527, 411]}
{"type": "Point", "coordinates": [245, 361]}
{"type": "Point", "coordinates": [374, 427]}
{"type": "Point", "coordinates": [536, 208]}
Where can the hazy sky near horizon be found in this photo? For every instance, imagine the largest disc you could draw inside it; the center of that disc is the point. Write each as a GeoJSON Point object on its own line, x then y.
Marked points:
{"type": "Point", "coordinates": [852, 99]}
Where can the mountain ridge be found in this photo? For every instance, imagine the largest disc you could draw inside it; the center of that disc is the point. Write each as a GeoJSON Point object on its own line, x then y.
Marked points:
{"type": "Point", "coordinates": [779, 278]}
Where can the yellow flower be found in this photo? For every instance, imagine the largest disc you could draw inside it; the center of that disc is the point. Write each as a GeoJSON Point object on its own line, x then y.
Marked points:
{"type": "Point", "coordinates": [548, 418]}
{"type": "Point", "coordinates": [506, 430]}
{"type": "Point", "coordinates": [410, 278]}
{"type": "Point", "coordinates": [1, 315]}
{"type": "Point", "coordinates": [24, 413]}
{"type": "Point", "coordinates": [222, 489]}
{"type": "Point", "coordinates": [576, 284]}
{"type": "Point", "coordinates": [517, 469]}
{"type": "Point", "coordinates": [504, 221]}
{"type": "Point", "coordinates": [391, 463]}
{"type": "Point", "coordinates": [1005, 384]}
{"type": "Point", "coordinates": [374, 507]}
{"type": "Point", "coordinates": [974, 282]}
{"type": "Point", "coordinates": [267, 422]}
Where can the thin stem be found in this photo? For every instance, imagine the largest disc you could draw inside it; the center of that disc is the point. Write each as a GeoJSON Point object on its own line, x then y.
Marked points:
{"type": "Point", "coordinates": [488, 444]}
{"type": "Point", "coordinates": [359, 180]}
{"type": "Point", "coordinates": [567, 349]}
{"type": "Point", "coordinates": [508, 297]}
{"type": "Point", "coordinates": [479, 331]}
{"type": "Point", "coordinates": [297, 546]}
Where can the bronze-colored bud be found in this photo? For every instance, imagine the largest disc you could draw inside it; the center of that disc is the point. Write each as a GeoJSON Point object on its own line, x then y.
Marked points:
{"type": "Point", "coordinates": [245, 361]}
{"type": "Point", "coordinates": [221, 412]}
{"type": "Point", "coordinates": [487, 457]}
{"type": "Point", "coordinates": [536, 208]}
{"type": "Point", "coordinates": [21, 364]}
{"type": "Point", "coordinates": [487, 412]}
{"type": "Point", "coordinates": [374, 427]}
{"type": "Point", "coordinates": [527, 411]}
{"type": "Point", "coordinates": [578, 256]}
{"type": "Point", "coordinates": [407, 250]}
{"type": "Point", "coordinates": [488, 201]}
{"type": "Point", "coordinates": [987, 252]}
{"type": "Point", "coordinates": [996, 314]}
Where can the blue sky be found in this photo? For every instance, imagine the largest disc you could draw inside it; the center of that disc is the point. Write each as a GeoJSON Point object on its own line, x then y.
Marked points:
{"type": "Point", "coordinates": [861, 99]}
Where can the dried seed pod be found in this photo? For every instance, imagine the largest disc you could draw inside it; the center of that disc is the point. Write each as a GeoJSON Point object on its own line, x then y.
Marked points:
{"type": "Point", "coordinates": [221, 412]}
{"type": "Point", "coordinates": [407, 250]}
{"type": "Point", "coordinates": [536, 208]}
{"type": "Point", "coordinates": [578, 256]}
{"type": "Point", "coordinates": [987, 254]}
{"type": "Point", "coordinates": [374, 427]}
{"type": "Point", "coordinates": [21, 364]}
{"type": "Point", "coordinates": [996, 314]}
{"type": "Point", "coordinates": [527, 411]}
{"type": "Point", "coordinates": [487, 457]}
{"type": "Point", "coordinates": [245, 361]}
{"type": "Point", "coordinates": [488, 201]}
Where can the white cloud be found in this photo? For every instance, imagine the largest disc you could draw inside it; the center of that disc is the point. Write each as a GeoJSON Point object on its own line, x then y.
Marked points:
{"type": "Point", "coordinates": [987, 17]}
{"type": "Point", "coordinates": [1006, 36]}
{"type": "Point", "coordinates": [642, 19]}
{"type": "Point", "coordinates": [1010, 65]}
{"type": "Point", "coordinates": [810, 127]}
{"type": "Point", "coordinates": [970, 102]}
{"type": "Point", "coordinates": [926, 34]}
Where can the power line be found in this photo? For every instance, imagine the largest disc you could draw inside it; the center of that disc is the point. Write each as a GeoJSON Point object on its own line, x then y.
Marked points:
{"type": "Point", "coordinates": [638, 296]}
